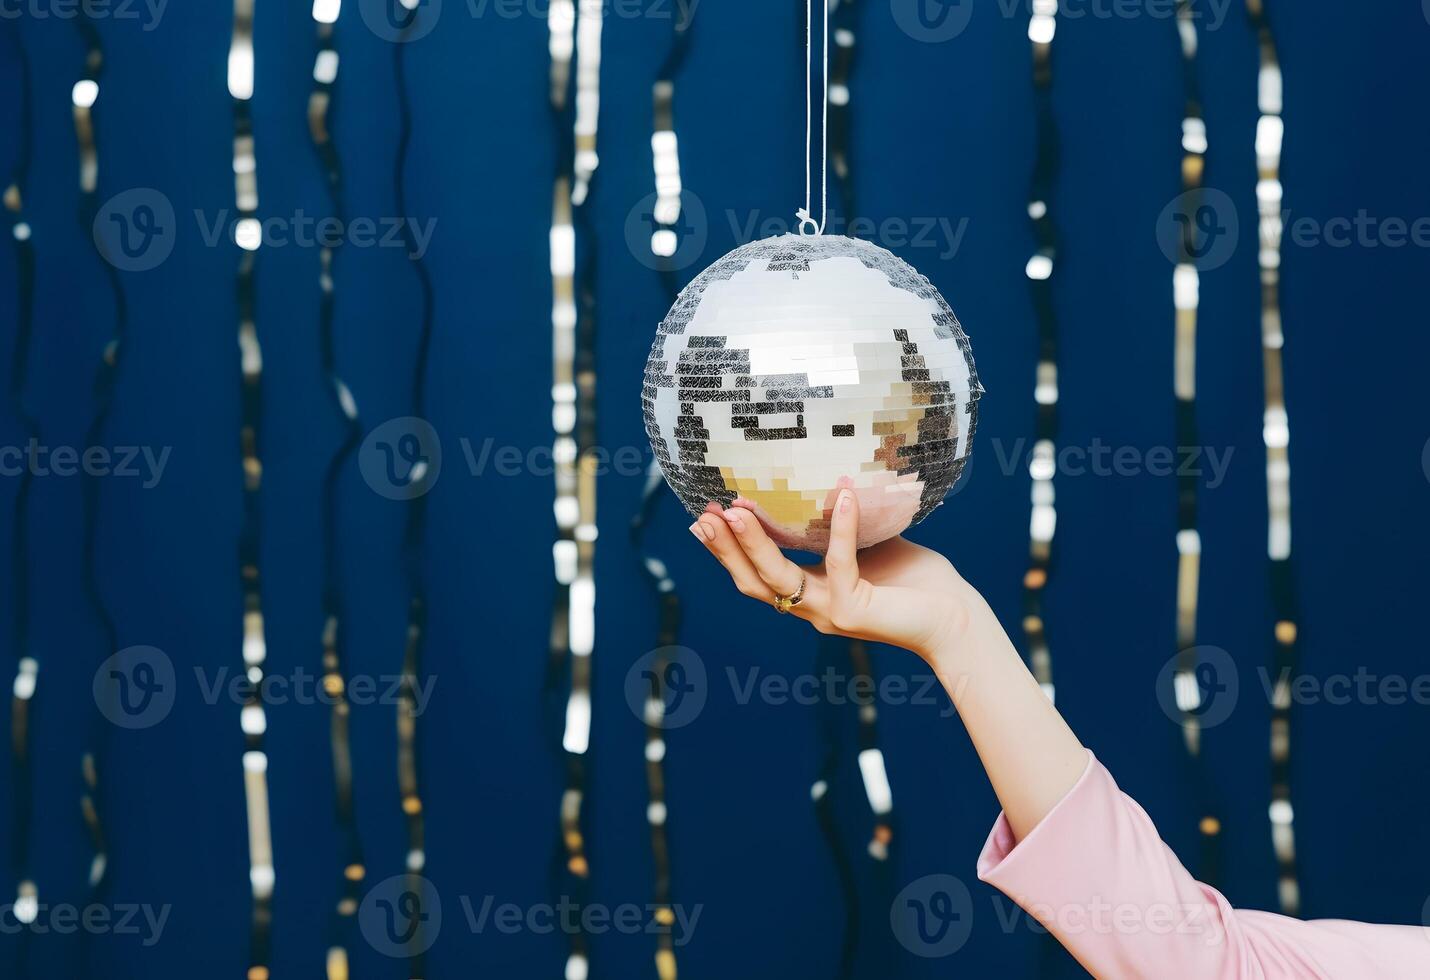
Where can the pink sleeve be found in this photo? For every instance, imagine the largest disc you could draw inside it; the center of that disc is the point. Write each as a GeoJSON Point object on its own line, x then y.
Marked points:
{"type": "Point", "coordinates": [1098, 876]}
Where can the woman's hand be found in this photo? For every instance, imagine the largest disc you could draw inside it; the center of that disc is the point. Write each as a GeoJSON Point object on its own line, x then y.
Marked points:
{"type": "Point", "coordinates": [899, 593]}
{"type": "Point", "coordinates": [895, 592]}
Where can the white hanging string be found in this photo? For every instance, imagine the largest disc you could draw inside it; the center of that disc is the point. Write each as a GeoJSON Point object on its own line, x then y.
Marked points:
{"type": "Point", "coordinates": [807, 225]}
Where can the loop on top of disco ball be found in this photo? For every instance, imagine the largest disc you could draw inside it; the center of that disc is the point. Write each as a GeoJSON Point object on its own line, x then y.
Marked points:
{"type": "Point", "coordinates": [805, 219]}
{"type": "Point", "coordinates": [800, 365]}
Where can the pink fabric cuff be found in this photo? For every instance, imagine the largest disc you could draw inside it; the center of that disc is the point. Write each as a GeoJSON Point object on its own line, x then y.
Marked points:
{"type": "Point", "coordinates": [1002, 857]}
{"type": "Point", "coordinates": [1095, 872]}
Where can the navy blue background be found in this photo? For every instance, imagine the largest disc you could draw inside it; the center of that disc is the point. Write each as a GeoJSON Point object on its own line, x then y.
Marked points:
{"type": "Point", "coordinates": [941, 130]}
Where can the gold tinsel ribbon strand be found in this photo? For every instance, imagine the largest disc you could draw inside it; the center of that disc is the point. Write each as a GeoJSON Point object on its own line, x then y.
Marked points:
{"type": "Point", "coordinates": [1277, 436]}
{"type": "Point", "coordinates": [26, 907]}
{"type": "Point", "coordinates": [84, 97]}
{"type": "Point", "coordinates": [574, 39]}
{"type": "Point", "coordinates": [1186, 289]}
{"type": "Point", "coordinates": [1042, 25]}
{"type": "Point", "coordinates": [664, 244]}
{"type": "Point", "coordinates": [248, 234]}
{"type": "Point", "coordinates": [408, 782]}
{"type": "Point", "coordinates": [351, 865]}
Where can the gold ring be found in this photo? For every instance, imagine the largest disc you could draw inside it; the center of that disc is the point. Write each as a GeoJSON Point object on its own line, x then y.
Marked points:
{"type": "Point", "coordinates": [784, 603]}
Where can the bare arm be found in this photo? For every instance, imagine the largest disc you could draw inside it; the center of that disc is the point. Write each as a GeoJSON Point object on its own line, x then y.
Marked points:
{"type": "Point", "coordinates": [1031, 756]}
{"type": "Point", "coordinates": [1098, 852]}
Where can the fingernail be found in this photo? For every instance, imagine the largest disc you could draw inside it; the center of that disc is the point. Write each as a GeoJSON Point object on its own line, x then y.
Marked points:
{"type": "Point", "coordinates": [733, 518]}
{"type": "Point", "coordinates": [698, 531]}
{"type": "Point", "coordinates": [844, 497]}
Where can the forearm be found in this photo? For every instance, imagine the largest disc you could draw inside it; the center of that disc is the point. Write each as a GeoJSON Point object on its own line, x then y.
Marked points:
{"type": "Point", "coordinates": [1031, 756]}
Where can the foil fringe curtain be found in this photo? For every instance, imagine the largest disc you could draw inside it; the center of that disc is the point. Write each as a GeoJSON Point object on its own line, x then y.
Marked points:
{"type": "Point", "coordinates": [248, 236]}
{"type": "Point", "coordinates": [665, 155]}
{"type": "Point", "coordinates": [1042, 26]}
{"type": "Point", "coordinates": [85, 97]}
{"type": "Point", "coordinates": [1276, 433]}
{"type": "Point", "coordinates": [574, 34]}
{"type": "Point", "coordinates": [409, 785]}
{"type": "Point", "coordinates": [574, 40]}
{"type": "Point", "coordinates": [1186, 288]}
{"type": "Point", "coordinates": [351, 866]}
{"type": "Point", "coordinates": [26, 906]}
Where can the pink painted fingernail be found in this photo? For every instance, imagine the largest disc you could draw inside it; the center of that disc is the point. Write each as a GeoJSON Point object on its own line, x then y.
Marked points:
{"type": "Point", "coordinates": [698, 531]}
{"type": "Point", "coordinates": [844, 497]}
{"type": "Point", "coordinates": [733, 518]}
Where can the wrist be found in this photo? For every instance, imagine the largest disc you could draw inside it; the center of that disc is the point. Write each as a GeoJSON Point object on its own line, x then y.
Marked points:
{"type": "Point", "coordinates": [966, 628]}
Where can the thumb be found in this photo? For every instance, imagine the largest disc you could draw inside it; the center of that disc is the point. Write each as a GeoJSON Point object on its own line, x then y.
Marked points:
{"type": "Point", "coordinates": [841, 561]}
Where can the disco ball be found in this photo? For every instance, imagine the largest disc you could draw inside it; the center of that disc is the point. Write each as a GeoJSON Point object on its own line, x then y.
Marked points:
{"type": "Point", "coordinates": [799, 365]}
